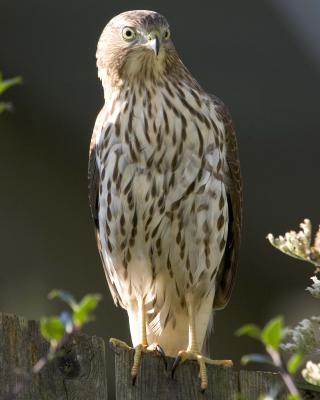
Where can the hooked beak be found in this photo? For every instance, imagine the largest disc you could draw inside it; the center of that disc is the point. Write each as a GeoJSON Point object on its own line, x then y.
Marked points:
{"type": "Point", "coordinates": [154, 44]}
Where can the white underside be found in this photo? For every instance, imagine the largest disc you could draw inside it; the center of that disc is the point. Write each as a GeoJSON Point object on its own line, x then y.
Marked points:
{"type": "Point", "coordinates": [199, 213]}
{"type": "Point", "coordinates": [172, 340]}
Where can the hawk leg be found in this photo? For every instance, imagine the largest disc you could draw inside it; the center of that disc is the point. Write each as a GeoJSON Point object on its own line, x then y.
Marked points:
{"type": "Point", "coordinates": [143, 346]}
{"type": "Point", "coordinates": [193, 353]}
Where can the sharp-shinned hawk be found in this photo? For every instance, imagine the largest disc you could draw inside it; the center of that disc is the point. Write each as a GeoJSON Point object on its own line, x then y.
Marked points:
{"type": "Point", "coordinates": [165, 190]}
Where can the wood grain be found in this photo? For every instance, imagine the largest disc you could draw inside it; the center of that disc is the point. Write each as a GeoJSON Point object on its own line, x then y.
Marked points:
{"type": "Point", "coordinates": [80, 374]}
{"type": "Point", "coordinates": [153, 382]}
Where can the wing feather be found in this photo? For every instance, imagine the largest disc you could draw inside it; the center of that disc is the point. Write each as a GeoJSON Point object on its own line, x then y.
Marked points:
{"type": "Point", "coordinates": [227, 269]}
{"type": "Point", "coordinates": [93, 186]}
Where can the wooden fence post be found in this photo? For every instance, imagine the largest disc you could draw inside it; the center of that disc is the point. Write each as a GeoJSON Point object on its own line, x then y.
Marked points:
{"type": "Point", "coordinates": [153, 382]}
{"type": "Point", "coordinates": [80, 374]}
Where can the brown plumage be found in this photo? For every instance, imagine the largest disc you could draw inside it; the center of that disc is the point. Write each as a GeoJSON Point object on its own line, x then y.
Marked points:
{"type": "Point", "coordinates": [164, 189]}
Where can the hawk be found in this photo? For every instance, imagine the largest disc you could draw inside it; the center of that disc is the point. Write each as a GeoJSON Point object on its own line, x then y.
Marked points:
{"type": "Point", "coordinates": [164, 189]}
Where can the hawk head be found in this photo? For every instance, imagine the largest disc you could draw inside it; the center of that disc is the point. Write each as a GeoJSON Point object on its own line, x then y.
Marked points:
{"type": "Point", "coordinates": [135, 44]}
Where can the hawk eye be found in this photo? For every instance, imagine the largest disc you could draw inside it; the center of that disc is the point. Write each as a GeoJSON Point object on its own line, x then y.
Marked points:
{"type": "Point", "coordinates": [166, 34]}
{"type": "Point", "coordinates": [128, 34]}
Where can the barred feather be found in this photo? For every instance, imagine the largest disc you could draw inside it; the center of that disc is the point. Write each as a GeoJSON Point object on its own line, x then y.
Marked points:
{"type": "Point", "coordinates": [160, 192]}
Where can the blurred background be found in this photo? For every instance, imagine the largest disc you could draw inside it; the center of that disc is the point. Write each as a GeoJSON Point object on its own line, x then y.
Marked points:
{"type": "Point", "coordinates": [262, 58]}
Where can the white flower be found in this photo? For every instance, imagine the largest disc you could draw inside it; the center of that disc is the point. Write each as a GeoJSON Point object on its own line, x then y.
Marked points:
{"type": "Point", "coordinates": [304, 337]}
{"type": "Point", "coordinates": [314, 289]}
{"type": "Point", "coordinates": [298, 244]}
{"type": "Point", "coordinates": [312, 373]}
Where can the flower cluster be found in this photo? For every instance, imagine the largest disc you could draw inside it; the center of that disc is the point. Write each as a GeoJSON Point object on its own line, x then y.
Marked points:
{"type": "Point", "coordinates": [311, 373]}
{"type": "Point", "coordinates": [298, 244]}
{"type": "Point", "coordinates": [304, 337]}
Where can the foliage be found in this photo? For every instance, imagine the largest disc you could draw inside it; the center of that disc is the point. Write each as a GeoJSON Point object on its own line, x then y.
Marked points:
{"type": "Point", "coordinates": [5, 85]}
{"type": "Point", "coordinates": [271, 337]}
{"type": "Point", "coordinates": [57, 330]}
{"type": "Point", "coordinates": [304, 338]}
{"type": "Point", "coordinates": [54, 329]}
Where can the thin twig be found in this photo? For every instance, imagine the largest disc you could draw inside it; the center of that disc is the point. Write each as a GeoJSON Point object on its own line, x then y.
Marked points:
{"type": "Point", "coordinates": [286, 377]}
{"type": "Point", "coordinates": [40, 364]}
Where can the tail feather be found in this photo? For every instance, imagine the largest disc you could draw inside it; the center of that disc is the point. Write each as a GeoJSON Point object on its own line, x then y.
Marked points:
{"type": "Point", "coordinates": [206, 343]}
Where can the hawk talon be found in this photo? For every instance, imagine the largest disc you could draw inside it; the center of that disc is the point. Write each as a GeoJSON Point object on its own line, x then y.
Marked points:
{"type": "Point", "coordinates": [163, 357]}
{"type": "Point", "coordinates": [202, 361]}
{"type": "Point", "coordinates": [137, 361]}
{"type": "Point", "coordinates": [143, 348]}
{"type": "Point", "coordinates": [177, 361]}
{"type": "Point", "coordinates": [117, 343]}
{"type": "Point", "coordinates": [158, 349]}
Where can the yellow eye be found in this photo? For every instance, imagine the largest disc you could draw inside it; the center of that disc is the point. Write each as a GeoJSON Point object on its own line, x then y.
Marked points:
{"type": "Point", "coordinates": [128, 33]}
{"type": "Point", "coordinates": [166, 34]}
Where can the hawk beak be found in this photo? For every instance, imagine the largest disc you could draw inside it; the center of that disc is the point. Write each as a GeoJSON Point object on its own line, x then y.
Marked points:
{"type": "Point", "coordinates": [154, 44]}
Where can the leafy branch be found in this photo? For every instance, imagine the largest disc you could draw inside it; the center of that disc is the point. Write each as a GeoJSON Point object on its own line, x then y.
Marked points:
{"type": "Point", "coordinates": [5, 85]}
{"type": "Point", "coordinates": [271, 336]}
{"type": "Point", "coordinates": [304, 338]}
{"type": "Point", "coordinates": [58, 330]}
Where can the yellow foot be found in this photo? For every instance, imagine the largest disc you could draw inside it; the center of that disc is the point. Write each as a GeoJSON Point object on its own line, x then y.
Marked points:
{"type": "Point", "coordinates": [120, 344]}
{"type": "Point", "coordinates": [141, 348]}
{"type": "Point", "coordinates": [185, 355]}
{"type": "Point", "coordinates": [138, 350]}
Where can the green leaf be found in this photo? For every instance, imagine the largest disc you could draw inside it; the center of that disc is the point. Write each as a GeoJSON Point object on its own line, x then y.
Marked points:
{"type": "Point", "coordinates": [83, 311]}
{"type": "Point", "coordinates": [294, 362]}
{"type": "Point", "coordinates": [251, 330]}
{"type": "Point", "coordinates": [5, 85]}
{"type": "Point", "coordinates": [256, 358]}
{"type": "Point", "coordinates": [273, 333]}
{"type": "Point", "coordinates": [5, 107]}
{"type": "Point", "coordinates": [293, 397]}
{"type": "Point", "coordinates": [64, 296]}
{"type": "Point", "coordinates": [52, 329]}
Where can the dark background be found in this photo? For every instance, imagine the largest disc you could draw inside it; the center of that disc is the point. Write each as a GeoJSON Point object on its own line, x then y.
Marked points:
{"type": "Point", "coordinates": [260, 57]}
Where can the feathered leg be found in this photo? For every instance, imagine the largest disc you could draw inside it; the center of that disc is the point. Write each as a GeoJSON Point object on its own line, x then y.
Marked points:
{"type": "Point", "coordinates": [143, 343]}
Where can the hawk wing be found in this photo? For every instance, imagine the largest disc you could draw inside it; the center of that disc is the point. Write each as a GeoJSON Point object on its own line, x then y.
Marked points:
{"type": "Point", "coordinates": [93, 186]}
{"type": "Point", "coordinates": [227, 269]}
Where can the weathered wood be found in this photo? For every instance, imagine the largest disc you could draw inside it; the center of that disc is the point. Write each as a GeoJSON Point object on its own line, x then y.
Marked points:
{"type": "Point", "coordinates": [80, 374]}
{"type": "Point", "coordinates": [154, 383]}
{"type": "Point", "coordinates": [254, 383]}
